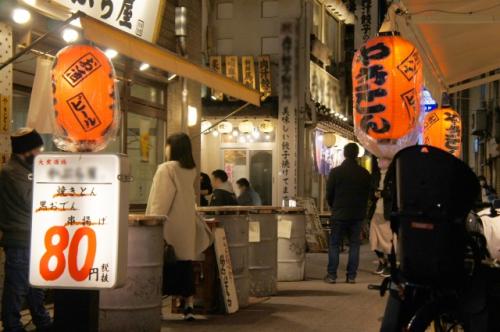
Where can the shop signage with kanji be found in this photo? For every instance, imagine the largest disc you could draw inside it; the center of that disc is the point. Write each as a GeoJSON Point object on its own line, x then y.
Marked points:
{"type": "Point", "coordinates": [264, 76]}
{"type": "Point", "coordinates": [248, 71]}
{"type": "Point", "coordinates": [79, 223]}
{"type": "Point", "coordinates": [140, 18]}
{"type": "Point", "coordinates": [216, 66]}
{"type": "Point", "coordinates": [325, 89]}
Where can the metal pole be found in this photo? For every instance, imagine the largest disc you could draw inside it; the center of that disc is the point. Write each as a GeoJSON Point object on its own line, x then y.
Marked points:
{"type": "Point", "coordinates": [40, 39]}
{"type": "Point", "coordinates": [223, 119]}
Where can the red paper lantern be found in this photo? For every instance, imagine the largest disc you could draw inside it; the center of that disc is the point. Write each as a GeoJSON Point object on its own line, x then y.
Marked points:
{"type": "Point", "coordinates": [387, 81]}
{"type": "Point", "coordinates": [443, 129]}
{"type": "Point", "coordinates": [85, 100]}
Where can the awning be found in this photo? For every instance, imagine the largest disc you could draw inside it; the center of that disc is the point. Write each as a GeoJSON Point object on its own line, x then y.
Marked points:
{"type": "Point", "coordinates": [458, 39]}
{"type": "Point", "coordinates": [140, 50]}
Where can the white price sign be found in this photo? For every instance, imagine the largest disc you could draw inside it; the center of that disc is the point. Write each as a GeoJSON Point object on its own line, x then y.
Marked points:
{"type": "Point", "coordinates": [140, 18]}
{"type": "Point", "coordinates": [80, 221]}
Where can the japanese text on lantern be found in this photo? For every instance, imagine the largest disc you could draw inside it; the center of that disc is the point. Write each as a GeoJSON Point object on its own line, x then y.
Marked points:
{"type": "Point", "coordinates": [74, 224]}
{"type": "Point", "coordinates": [452, 137]}
{"type": "Point", "coordinates": [370, 90]}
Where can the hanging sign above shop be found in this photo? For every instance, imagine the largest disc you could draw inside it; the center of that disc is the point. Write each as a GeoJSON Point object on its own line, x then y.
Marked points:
{"type": "Point", "coordinates": [248, 71]}
{"type": "Point", "coordinates": [79, 224]}
{"type": "Point", "coordinates": [366, 26]}
{"type": "Point", "coordinates": [264, 76]}
{"type": "Point", "coordinates": [325, 89]}
{"type": "Point", "coordinates": [216, 66]}
{"type": "Point", "coordinates": [141, 18]}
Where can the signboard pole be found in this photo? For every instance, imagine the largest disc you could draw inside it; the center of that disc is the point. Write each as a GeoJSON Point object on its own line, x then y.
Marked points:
{"type": "Point", "coordinates": [76, 310]}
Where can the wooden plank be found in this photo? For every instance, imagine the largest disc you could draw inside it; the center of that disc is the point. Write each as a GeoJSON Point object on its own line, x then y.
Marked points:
{"type": "Point", "coordinates": [225, 271]}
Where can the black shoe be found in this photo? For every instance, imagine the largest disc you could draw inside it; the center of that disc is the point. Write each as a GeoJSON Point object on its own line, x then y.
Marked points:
{"type": "Point", "coordinates": [350, 280]}
{"type": "Point", "coordinates": [189, 314]}
{"type": "Point", "coordinates": [380, 268]}
{"type": "Point", "coordinates": [329, 279]}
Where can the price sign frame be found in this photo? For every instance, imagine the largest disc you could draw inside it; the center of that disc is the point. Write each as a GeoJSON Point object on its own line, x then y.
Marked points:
{"type": "Point", "coordinates": [79, 229]}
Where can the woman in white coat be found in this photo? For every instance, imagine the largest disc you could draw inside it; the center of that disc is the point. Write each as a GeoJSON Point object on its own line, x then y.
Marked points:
{"type": "Point", "coordinates": [173, 194]}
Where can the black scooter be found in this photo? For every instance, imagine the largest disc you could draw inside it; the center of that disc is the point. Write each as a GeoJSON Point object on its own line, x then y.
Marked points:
{"type": "Point", "coordinates": [437, 277]}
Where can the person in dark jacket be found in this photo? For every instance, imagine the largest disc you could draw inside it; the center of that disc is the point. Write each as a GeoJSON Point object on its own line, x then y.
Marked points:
{"type": "Point", "coordinates": [223, 193]}
{"type": "Point", "coordinates": [205, 188]}
{"type": "Point", "coordinates": [248, 196]}
{"type": "Point", "coordinates": [16, 190]}
{"type": "Point", "coordinates": [347, 193]}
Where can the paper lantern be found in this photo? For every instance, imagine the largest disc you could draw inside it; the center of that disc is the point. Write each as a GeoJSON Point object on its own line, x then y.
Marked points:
{"type": "Point", "coordinates": [225, 127]}
{"type": "Point", "coordinates": [443, 129]}
{"type": "Point", "coordinates": [246, 127]}
{"type": "Point", "coordinates": [329, 139]}
{"type": "Point", "coordinates": [387, 82]}
{"type": "Point", "coordinates": [85, 99]}
{"type": "Point", "coordinates": [205, 125]}
{"type": "Point", "coordinates": [266, 126]}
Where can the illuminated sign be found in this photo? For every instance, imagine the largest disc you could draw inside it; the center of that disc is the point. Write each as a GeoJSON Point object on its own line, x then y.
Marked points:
{"type": "Point", "coordinates": [80, 221]}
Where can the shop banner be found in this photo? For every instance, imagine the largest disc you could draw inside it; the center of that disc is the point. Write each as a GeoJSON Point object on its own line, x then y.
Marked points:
{"type": "Point", "coordinates": [39, 117]}
{"type": "Point", "coordinates": [232, 70]}
{"type": "Point", "coordinates": [216, 66]}
{"type": "Point", "coordinates": [287, 183]}
{"type": "Point", "coordinates": [5, 114]}
{"type": "Point", "coordinates": [325, 89]}
{"type": "Point", "coordinates": [264, 76]}
{"type": "Point", "coordinates": [80, 221]}
{"type": "Point", "coordinates": [366, 26]}
{"type": "Point", "coordinates": [141, 18]}
{"type": "Point", "coordinates": [248, 71]}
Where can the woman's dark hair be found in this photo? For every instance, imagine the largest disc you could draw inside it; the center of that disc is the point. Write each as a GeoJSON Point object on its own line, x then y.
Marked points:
{"type": "Point", "coordinates": [220, 174]}
{"type": "Point", "coordinates": [243, 183]}
{"type": "Point", "coordinates": [181, 150]}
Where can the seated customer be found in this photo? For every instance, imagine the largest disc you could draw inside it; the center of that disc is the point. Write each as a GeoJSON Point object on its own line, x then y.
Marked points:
{"type": "Point", "coordinates": [223, 194]}
{"type": "Point", "coordinates": [248, 196]}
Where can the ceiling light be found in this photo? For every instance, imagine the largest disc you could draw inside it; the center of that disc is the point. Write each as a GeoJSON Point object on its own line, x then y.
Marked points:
{"type": "Point", "coordinates": [21, 15]}
{"type": "Point", "coordinates": [171, 77]}
{"type": "Point", "coordinates": [215, 133]}
{"type": "Point", "coordinates": [76, 23]}
{"type": "Point", "coordinates": [267, 137]}
{"type": "Point", "coordinates": [235, 133]}
{"type": "Point", "coordinates": [213, 97]}
{"type": "Point", "coordinates": [70, 35]}
{"type": "Point", "coordinates": [144, 66]}
{"type": "Point", "coordinates": [111, 53]}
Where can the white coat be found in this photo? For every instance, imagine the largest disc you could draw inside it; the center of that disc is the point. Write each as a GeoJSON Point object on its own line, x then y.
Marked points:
{"type": "Point", "coordinates": [173, 195]}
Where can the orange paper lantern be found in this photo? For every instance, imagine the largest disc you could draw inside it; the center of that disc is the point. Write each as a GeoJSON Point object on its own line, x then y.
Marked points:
{"type": "Point", "coordinates": [85, 99]}
{"type": "Point", "coordinates": [443, 129]}
{"type": "Point", "coordinates": [387, 81]}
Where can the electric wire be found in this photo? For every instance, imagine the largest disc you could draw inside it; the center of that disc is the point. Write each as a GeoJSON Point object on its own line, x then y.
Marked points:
{"type": "Point", "coordinates": [454, 12]}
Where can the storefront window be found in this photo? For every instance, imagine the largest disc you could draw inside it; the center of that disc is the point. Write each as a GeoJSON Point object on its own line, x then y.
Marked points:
{"type": "Point", "coordinates": [147, 93]}
{"type": "Point", "coordinates": [142, 140]}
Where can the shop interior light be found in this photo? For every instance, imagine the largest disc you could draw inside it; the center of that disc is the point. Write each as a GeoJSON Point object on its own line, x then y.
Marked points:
{"type": "Point", "coordinates": [70, 35]}
{"type": "Point", "coordinates": [171, 77]}
{"type": "Point", "coordinates": [213, 97]}
{"type": "Point", "coordinates": [361, 151]}
{"type": "Point", "coordinates": [111, 53]}
{"type": "Point", "coordinates": [267, 137]}
{"type": "Point", "coordinates": [144, 66]}
{"type": "Point", "coordinates": [21, 15]}
{"type": "Point", "coordinates": [246, 126]}
{"type": "Point", "coordinates": [236, 133]}
{"type": "Point", "coordinates": [225, 127]}
{"type": "Point", "coordinates": [215, 133]}
{"type": "Point", "coordinates": [242, 139]}
{"type": "Point", "coordinates": [205, 125]}
{"type": "Point", "coordinates": [192, 116]}
{"type": "Point", "coordinates": [256, 133]}
{"type": "Point", "coordinates": [76, 23]}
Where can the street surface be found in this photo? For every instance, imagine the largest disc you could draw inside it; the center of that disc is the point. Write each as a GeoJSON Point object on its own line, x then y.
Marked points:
{"type": "Point", "coordinates": [311, 305]}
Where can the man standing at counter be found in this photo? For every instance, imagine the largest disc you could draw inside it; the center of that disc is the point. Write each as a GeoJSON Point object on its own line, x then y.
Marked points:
{"type": "Point", "coordinates": [347, 195]}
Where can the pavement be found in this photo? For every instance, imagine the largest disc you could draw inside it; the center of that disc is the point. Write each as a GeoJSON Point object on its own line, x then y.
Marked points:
{"type": "Point", "coordinates": [310, 305]}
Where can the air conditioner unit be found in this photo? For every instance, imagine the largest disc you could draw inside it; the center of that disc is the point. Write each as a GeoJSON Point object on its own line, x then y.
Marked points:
{"type": "Point", "coordinates": [479, 122]}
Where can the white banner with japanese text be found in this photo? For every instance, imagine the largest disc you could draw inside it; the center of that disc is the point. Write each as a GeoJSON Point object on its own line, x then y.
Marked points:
{"type": "Point", "coordinates": [366, 26]}
{"type": "Point", "coordinates": [325, 89]}
{"type": "Point", "coordinates": [140, 18]}
{"type": "Point", "coordinates": [287, 134]}
{"type": "Point", "coordinates": [79, 222]}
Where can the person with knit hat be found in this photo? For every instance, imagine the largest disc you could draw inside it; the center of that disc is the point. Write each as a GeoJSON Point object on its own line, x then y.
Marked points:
{"type": "Point", "coordinates": [16, 196]}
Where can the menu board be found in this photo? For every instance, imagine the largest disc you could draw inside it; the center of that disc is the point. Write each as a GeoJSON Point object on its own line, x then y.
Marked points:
{"type": "Point", "coordinates": [79, 221]}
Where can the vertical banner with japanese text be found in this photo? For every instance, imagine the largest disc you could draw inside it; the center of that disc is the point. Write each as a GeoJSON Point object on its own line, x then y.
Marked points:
{"type": "Point", "coordinates": [248, 71]}
{"type": "Point", "coordinates": [80, 220]}
{"type": "Point", "coordinates": [216, 66]}
{"type": "Point", "coordinates": [6, 47]}
{"type": "Point", "coordinates": [264, 76]}
{"type": "Point", "coordinates": [366, 26]}
{"type": "Point", "coordinates": [287, 140]}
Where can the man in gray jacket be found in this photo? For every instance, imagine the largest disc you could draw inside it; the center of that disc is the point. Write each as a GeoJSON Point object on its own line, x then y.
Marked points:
{"type": "Point", "coordinates": [16, 195]}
